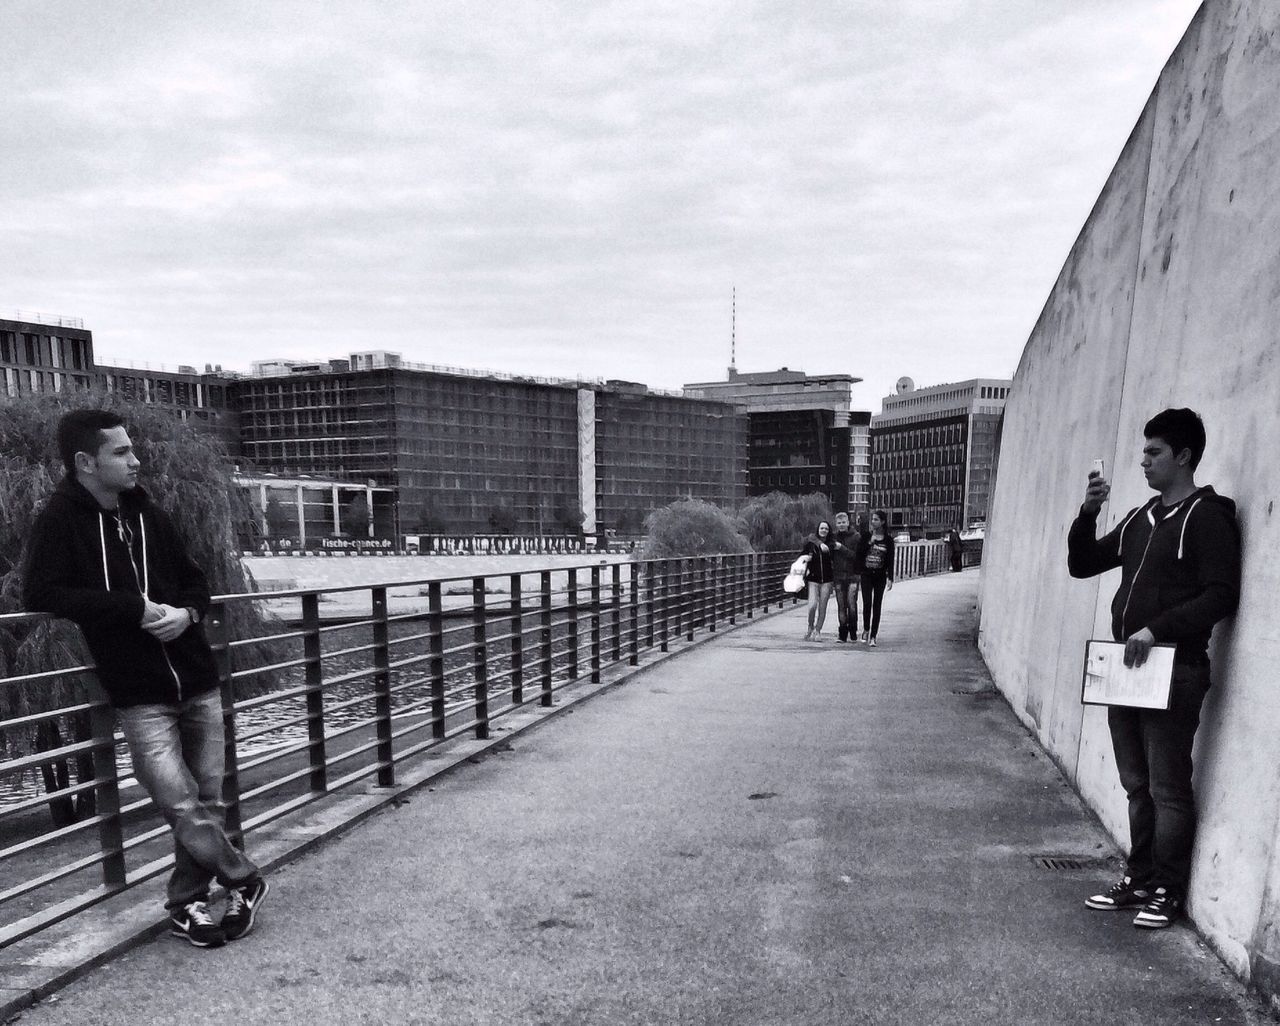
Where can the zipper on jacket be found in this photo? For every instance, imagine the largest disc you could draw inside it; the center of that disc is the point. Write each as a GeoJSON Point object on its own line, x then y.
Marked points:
{"type": "Point", "coordinates": [1142, 562]}
{"type": "Point", "coordinates": [126, 536]}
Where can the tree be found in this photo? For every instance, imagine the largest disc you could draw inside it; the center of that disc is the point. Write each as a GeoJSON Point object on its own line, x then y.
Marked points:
{"type": "Point", "coordinates": [355, 516]}
{"type": "Point", "coordinates": [427, 519]}
{"type": "Point", "coordinates": [568, 516]}
{"type": "Point", "coordinates": [277, 517]}
{"type": "Point", "coordinates": [502, 520]}
{"type": "Point", "coordinates": [187, 473]}
{"type": "Point", "coordinates": [780, 523]}
{"type": "Point", "coordinates": [691, 527]}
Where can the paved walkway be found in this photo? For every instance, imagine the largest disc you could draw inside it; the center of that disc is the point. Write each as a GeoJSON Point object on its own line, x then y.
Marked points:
{"type": "Point", "coordinates": [759, 831]}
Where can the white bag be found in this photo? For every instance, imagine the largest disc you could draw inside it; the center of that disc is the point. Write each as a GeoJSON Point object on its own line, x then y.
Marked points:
{"type": "Point", "coordinates": [794, 582]}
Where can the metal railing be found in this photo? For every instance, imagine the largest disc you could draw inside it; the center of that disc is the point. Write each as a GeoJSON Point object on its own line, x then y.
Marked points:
{"type": "Point", "coordinates": [339, 687]}
{"type": "Point", "coordinates": [345, 686]}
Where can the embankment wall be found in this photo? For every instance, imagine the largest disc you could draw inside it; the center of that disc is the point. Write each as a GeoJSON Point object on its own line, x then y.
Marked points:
{"type": "Point", "coordinates": [1169, 297]}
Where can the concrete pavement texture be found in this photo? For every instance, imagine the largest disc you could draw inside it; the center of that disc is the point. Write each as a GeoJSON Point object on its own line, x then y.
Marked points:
{"type": "Point", "coordinates": [762, 830]}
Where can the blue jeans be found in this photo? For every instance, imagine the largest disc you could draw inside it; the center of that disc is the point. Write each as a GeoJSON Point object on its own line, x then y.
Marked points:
{"type": "Point", "coordinates": [1153, 757]}
{"type": "Point", "coordinates": [847, 606]}
{"type": "Point", "coordinates": [178, 757]}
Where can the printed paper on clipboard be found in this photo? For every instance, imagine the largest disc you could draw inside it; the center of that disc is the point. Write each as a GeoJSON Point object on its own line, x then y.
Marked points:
{"type": "Point", "coordinates": [1107, 681]}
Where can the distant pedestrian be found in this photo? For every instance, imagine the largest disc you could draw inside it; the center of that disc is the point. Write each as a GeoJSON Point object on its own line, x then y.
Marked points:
{"type": "Point", "coordinates": [877, 574]}
{"type": "Point", "coordinates": [103, 555]}
{"type": "Point", "coordinates": [820, 577]}
{"type": "Point", "coordinates": [1179, 560]}
{"type": "Point", "coordinates": [955, 545]}
{"type": "Point", "coordinates": [846, 549]}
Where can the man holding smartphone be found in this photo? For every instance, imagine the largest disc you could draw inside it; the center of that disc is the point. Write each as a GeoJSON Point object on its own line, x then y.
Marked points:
{"type": "Point", "coordinates": [1179, 560]}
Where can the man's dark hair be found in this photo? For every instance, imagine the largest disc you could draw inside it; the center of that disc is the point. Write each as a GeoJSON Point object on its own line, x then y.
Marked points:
{"type": "Point", "coordinates": [1181, 429]}
{"type": "Point", "coordinates": [81, 431]}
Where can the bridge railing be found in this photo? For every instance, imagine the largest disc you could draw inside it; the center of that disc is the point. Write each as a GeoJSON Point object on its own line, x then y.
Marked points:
{"type": "Point", "coordinates": [357, 681]}
{"type": "Point", "coordinates": [343, 687]}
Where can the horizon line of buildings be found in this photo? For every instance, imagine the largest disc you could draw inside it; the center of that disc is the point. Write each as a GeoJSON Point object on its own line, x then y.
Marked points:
{"type": "Point", "coordinates": [435, 449]}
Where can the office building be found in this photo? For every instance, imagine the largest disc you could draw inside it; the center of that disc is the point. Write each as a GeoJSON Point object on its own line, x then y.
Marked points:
{"type": "Point", "coordinates": [933, 454]}
{"type": "Point", "coordinates": [471, 451]}
{"type": "Point", "coordinates": [804, 437]}
{"type": "Point", "coordinates": [43, 353]}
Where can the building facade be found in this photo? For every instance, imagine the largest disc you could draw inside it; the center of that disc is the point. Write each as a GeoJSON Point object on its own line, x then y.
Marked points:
{"type": "Point", "coordinates": [933, 454]}
{"type": "Point", "coordinates": [46, 354]}
{"type": "Point", "coordinates": [40, 353]}
{"type": "Point", "coordinates": [431, 449]}
{"type": "Point", "coordinates": [804, 437]}
{"type": "Point", "coordinates": [466, 451]}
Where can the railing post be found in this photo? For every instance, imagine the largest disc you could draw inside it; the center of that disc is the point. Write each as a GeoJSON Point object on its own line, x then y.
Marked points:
{"type": "Point", "coordinates": [735, 587]}
{"type": "Point", "coordinates": [710, 590]}
{"type": "Point", "coordinates": [695, 599]}
{"type": "Point", "coordinates": [545, 640]}
{"type": "Point", "coordinates": [616, 601]}
{"type": "Point", "coordinates": [633, 570]}
{"type": "Point", "coordinates": [382, 689]}
{"type": "Point", "coordinates": [314, 674]}
{"type": "Point", "coordinates": [750, 592]}
{"type": "Point", "coordinates": [517, 642]}
{"type": "Point", "coordinates": [651, 606]}
{"type": "Point", "coordinates": [665, 603]}
{"type": "Point", "coordinates": [435, 647]}
{"type": "Point", "coordinates": [102, 728]}
{"type": "Point", "coordinates": [480, 658]}
{"type": "Point", "coordinates": [218, 631]}
{"type": "Point", "coordinates": [595, 623]}
{"type": "Point", "coordinates": [573, 623]}
{"type": "Point", "coordinates": [760, 581]}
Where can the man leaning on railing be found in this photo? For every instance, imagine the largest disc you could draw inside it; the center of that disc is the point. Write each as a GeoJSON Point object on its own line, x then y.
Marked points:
{"type": "Point", "coordinates": [102, 555]}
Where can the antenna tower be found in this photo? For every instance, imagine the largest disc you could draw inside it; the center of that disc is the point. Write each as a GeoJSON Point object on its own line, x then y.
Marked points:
{"type": "Point", "coordinates": [733, 333]}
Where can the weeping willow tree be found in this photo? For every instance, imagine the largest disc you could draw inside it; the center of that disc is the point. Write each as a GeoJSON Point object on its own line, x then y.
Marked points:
{"type": "Point", "coordinates": [691, 527]}
{"type": "Point", "coordinates": [187, 473]}
{"type": "Point", "coordinates": [777, 522]}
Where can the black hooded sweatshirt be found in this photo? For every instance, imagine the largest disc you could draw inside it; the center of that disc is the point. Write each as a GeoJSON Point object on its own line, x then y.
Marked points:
{"type": "Point", "coordinates": [1179, 568]}
{"type": "Point", "coordinates": [92, 567]}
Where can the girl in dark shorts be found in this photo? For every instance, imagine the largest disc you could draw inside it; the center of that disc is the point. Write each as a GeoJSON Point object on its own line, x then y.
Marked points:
{"type": "Point", "coordinates": [821, 578]}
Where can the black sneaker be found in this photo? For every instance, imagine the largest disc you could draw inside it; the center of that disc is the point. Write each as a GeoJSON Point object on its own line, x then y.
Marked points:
{"type": "Point", "coordinates": [1161, 911]}
{"type": "Point", "coordinates": [242, 907]}
{"type": "Point", "coordinates": [1125, 894]}
{"type": "Point", "coordinates": [194, 923]}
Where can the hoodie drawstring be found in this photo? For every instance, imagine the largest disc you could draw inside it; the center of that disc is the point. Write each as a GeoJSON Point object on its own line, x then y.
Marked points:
{"type": "Point", "coordinates": [102, 541]}
{"type": "Point", "coordinates": [1183, 533]}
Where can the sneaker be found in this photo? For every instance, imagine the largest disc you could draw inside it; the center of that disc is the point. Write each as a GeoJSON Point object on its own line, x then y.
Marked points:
{"type": "Point", "coordinates": [1161, 911]}
{"type": "Point", "coordinates": [866, 636]}
{"type": "Point", "coordinates": [242, 907]}
{"type": "Point", "coordinates": [808, 635]}
{"type": "Point", "coordinates": [1125, 894]}
{"type": "Point", "coordinates": [872, 642]}
{"type": "Point", "coordinates": [193, 922]}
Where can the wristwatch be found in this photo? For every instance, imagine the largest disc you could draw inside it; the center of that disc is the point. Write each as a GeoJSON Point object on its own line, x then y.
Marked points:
{"type": "Point", "coordinates": [194, 613]}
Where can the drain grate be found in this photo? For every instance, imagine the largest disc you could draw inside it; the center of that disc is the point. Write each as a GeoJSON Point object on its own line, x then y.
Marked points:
{"type": "Point", "coordinates": [1066, 863]}
{"type": "Point", "coordinates": [980, 693]}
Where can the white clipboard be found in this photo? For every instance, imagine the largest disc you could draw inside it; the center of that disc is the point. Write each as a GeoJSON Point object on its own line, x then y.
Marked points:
{"type": "Point", "coordinates": [1107, 681]}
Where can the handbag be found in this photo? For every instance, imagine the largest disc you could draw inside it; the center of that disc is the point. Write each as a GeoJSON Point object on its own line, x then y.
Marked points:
{"type": "Point", "coordinates": [794, 582]}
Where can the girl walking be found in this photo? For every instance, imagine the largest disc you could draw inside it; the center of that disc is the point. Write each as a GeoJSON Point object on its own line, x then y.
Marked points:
{"type": "Point", "coordinates": [821, 578]}
{"type": "Point", "coordinates": [877, 574]}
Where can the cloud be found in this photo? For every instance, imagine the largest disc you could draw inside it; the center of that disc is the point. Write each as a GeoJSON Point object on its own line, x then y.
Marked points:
{"type": "Point", "coordinates": [559, 188]}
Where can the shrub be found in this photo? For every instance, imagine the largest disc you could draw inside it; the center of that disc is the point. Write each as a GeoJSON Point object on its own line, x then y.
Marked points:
{"type": "Point", "coordinates": [691, 527]}
{"type": "Point", "coordinates": [780, 523]}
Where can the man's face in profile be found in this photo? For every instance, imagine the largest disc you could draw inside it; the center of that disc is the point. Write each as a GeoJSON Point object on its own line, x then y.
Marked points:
{"type": "Point", "coordinates": [1159, 464]}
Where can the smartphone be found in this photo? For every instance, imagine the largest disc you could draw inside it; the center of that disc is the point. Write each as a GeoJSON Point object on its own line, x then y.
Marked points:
{"type": "Point", "coordinates": [1099, 468]}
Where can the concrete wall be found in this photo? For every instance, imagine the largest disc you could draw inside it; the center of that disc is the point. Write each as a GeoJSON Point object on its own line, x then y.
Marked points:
{"type": "Point", "coordinates": [1169, 297]}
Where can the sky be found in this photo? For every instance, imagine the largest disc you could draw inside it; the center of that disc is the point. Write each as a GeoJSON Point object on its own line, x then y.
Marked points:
{"type": "Point", "coordinates": [565, 189]}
